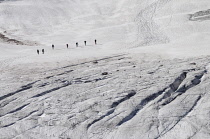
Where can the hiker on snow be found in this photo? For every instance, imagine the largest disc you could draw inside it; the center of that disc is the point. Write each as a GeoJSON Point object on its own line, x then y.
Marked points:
{"type": "Point", "coordinates": [76, 44]}
{"type": "Point", "coordinates": [37, 51]}
{"type": "Point", "coordinates": [42, 51]}
{"type": "Point", "coordinates": [95, 42]}
{"type": "Point", "coordinates": [85, 42]}
{"type": "Point", "coordinates": [53, 46]}
{"type": "Point", "coordinates": [67, 45]}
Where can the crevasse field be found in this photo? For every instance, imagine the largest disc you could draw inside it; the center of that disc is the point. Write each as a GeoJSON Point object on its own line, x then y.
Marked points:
{"type": "Point", "coordinates": [148, 77]}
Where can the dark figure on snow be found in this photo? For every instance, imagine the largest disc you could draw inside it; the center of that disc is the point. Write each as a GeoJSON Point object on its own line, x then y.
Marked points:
{"type": "Point", "coordinates": [37, 51]}
{"type": "Point", "coordinates": [95, 42]}
{"type": "Point", "coordinates": [76, 44]}
{"type": "Point", "coordinates": [42, 51]}
{"type": "Point", "coordinates": [67, 45]}
{"type": "Point", "coordinates": [53, 46]}
{"type": "Point", "coordinates": [85, 42]}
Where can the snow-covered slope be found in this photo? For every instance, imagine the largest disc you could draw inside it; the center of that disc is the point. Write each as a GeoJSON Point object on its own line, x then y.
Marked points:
{"type": "Point", "coordinates": [113, 97]}
{"type": "Point", "coordinates": [148, 76]}
{"type": "Point", "coordinates": [125, 22]}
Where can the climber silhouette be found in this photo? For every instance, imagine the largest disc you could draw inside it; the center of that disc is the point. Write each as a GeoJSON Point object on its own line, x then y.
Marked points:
{"type": "Point", "coordinates": [85, 42]}
{"type": "Point", "coordinates": [95, 42]}
{"type": "Point", "coordinates": [67, 45]}
{"type": "Point", "coordinates": [37, 51]}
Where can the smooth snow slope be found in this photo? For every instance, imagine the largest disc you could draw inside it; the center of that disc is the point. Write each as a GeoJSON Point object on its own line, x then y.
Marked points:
{"type": "Point", "coordinates": [122, 23]}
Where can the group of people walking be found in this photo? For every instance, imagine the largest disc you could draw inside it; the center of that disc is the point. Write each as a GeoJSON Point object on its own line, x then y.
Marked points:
{"type": "Point", "coordinates": [67, 45]}
{"type": "Point", "coordinates": [38, 51]}
{"type": "Point", "coordinates": [85, 42]}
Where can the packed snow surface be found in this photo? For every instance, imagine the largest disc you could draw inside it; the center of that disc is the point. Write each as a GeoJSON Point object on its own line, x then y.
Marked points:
{"type": "Point", "coordinates": [147, 76]}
